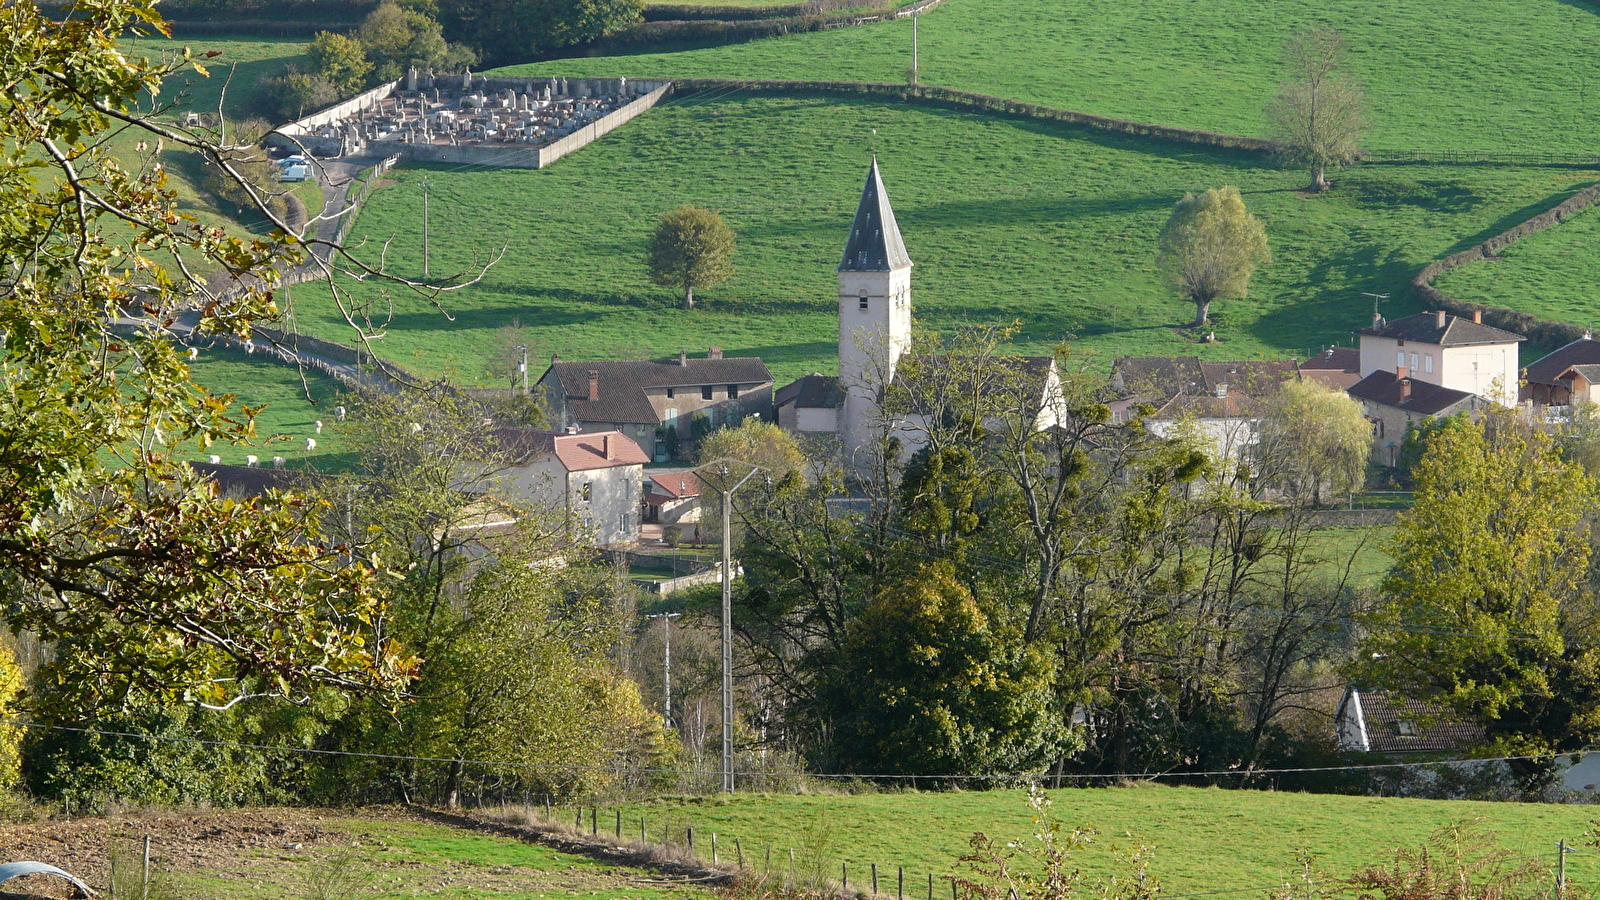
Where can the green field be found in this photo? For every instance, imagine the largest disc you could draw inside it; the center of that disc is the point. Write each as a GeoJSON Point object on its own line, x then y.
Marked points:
{"type": "Point", "coordinates": [286, 422]}
{"type": "Point", "coordinates": [1440, 74]}
{"type": "Point", "coordinates": [1356, 554]}
{"type": "Point", "coordinates": [1205, 840]}
{"type": "Point", "coordinates": [1553, 274]}
{"type": "Point", "coordinates": [1006, 220]}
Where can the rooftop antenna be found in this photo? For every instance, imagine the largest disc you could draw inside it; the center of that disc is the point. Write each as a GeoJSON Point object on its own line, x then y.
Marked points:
{"type": "Point", "coordinates": [1375, 299]}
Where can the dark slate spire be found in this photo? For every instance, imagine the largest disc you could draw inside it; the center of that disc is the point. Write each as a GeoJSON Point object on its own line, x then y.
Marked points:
{"type": "Point", "coordinates": [875, 244]}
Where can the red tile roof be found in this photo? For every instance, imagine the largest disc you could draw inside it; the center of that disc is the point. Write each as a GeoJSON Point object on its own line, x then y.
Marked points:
{"type": "Point", "coordinates": [676, 485]}
{"type": "Point", "coordinates": [576, 452]}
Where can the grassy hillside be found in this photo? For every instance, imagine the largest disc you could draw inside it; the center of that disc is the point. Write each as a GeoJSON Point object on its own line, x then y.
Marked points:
{"type": "Point", "coordinates": [286, 422]}
{"type": "Point", "coordinates": [1441, 74]}
{"type": "Point", "coordinates": [1554, 274]}
{"type": "Point", "coordinates": [1205, 840]}
{"type": "Point", "coordinates": [1005, 220]}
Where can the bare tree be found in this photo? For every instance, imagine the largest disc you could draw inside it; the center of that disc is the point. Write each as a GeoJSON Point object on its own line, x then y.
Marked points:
{"type": "Point", "coordinates": [1320, 112]}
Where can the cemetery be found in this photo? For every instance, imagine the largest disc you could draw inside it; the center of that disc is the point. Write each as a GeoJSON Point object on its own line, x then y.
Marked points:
{"type": "Point", "coordinates": [466, 118]}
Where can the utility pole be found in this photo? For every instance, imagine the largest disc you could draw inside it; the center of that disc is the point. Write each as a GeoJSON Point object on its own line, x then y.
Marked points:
{"type": "Point", "coordinates": [666, 705]}
{"type": "Point", "coordinates": [721, 468]}
{"type": "Point", "coordinates": [425, 187]}
{"type": "Point", "coordinates": [523, 368]}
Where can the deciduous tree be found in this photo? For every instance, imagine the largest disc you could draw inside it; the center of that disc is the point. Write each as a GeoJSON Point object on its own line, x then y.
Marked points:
{"type": "Point", "coordinates": [691, 248]}
{"type": "Point", "coordinates": [1319, 113]}
{"type": "Point", "coordinates": [1210, 247]}
{"type": "Point", "coordinates": [508, 31]}
{"type": "Point", "coordinates": [1487, 610]}
{"type": "Point", "coordinates": [340, 60]}
{"type": "Point", "coordinates": [1314, 442]}
{"type": "Point", "coordinates": [144, 581]}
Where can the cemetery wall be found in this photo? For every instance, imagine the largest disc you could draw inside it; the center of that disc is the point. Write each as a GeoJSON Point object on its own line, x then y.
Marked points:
{"type": "Point", "coordinates": [299, 134]}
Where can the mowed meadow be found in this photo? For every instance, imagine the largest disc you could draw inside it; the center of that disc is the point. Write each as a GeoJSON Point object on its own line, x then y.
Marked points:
{"type": "Point", "coordinates": [1203, 840]}
{"type": "Point", "coordinates": [1512, 75]}
{"type": "Point", "coordinates": [1007, 220]}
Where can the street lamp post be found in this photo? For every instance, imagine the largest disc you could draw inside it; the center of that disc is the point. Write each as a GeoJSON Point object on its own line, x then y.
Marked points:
{"type": "Point", "coordinates": [727, 615]}
{"type": "Point", "coordinates": [666, 704]}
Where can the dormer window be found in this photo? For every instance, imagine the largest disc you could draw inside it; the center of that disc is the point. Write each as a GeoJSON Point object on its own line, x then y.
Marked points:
{"type": "Point", "coordinates": [672, 392]}
{"type": "Point", "coordinates": [705, 392]}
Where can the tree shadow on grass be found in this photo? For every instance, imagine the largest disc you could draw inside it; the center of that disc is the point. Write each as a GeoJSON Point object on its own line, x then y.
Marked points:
{"type": "Point", "coordinates": [1331, 305]}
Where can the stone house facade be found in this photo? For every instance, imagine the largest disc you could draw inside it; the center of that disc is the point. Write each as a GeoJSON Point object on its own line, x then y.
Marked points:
{"type": "Point", "coordinates": [1448, 351]}
{"type": "Point", "coordinates": [596, 479]}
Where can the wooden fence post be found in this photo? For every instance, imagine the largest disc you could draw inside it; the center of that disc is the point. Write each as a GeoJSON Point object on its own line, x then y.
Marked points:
{"type": "Point", "coordinates": [738, 850]}
{"type": "Point", "coordinates": [619, 824]}
{"type": "Point", "coordinates": [690, 832]}
{"type": "Point", "coordinates": [874, 878]}
{"type": "Point", "coordinates": [714, 859]}
{"type": "Point", "coordinates": [900, 885]}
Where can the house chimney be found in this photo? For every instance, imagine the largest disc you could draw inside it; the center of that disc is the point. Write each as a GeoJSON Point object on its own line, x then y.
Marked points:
{"type": "Point", "coordinates": [605, 446]}
{"type": "Point", "coordinates": [594, 384]}
{"type": "Point", "coordinates": [1477, 317]}
{"type": "Point", "coordinates": [716, 353]}
{"type": "Point", "coordinates": [1441, 318]}
{"type": "Point", "coordinates": [1377, 321]}
{"type": "Point", "coordinates": [1402, 372]}
{"type": "Point", "coordinates": [1222, 390]}
{"type": "Point", "coordinates": [1405, 389]}
{"type": "Point", "coordinates": [555, 358]}
{"type": "Point", "coordinates": [683, 357]}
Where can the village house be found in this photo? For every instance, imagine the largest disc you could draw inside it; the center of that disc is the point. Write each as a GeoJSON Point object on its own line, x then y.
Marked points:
{"type": "Point", "coordinates": [672, 498]}
{"type": "Point", "coordinates": [1335, 367]}
{"type": "Point", "coordinates": [1437, 348]}
{"type": "Point", "coordinates": [596, 479]}
{"type": "Point", "coordinates": [1564, 377]}
{"type": "Point", "coordinates": [645, 399]}
{"type": "Point", "coordinates": [1395, 401]}
{"type": "Point", "coordinates": [1222, 400]}
{"type": "Point", "coordinates": [810, 405]}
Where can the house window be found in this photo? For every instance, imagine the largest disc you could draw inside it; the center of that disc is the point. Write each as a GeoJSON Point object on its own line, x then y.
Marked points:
{"type": "Point", "coordinates": [670, 416]}
{"type": "Point", "coordinates": [705, 392]}
{"type": "Point", "coordinates": [1413, 362]}
{"type": "Point", "coordinates": [1399, 359]}
{"type": "Point", "coordinates": [1377, 428]}
{"type": "Point", "coordinates": [672, 392]}
{"type": "Point", "coordinates": [863, 302]}
{"type": "Point", "coordinates": [586, 493]}
{"type": "Point", "coordinates": [1427, 362]}
{"type": "Point", "coordinates": [733, 392]}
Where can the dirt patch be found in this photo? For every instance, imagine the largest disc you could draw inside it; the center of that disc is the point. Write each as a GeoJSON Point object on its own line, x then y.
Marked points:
{"type": "Point", "coordinates": [270, 854]}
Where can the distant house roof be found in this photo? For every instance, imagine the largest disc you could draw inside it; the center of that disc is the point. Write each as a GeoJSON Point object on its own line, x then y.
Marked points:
{"type": "Point", "coordinates": [1590, 373]}
{"type": "Point", "coordinates": [620, 384]}
{"type": "Point", "coordinates": [1425, 398]}
{"type": "Point", "coordinates": [1161, 378]}
{"type": "Point", "coordinates": [1580, 352]}
{"type": "Point", "coordinates": [1338, 367]}
{"type": "Point", "coordinates": [575, 452]}
{"type": "Point", "coordinates": [675, 485]}
{"type": "Point", "coordinates": [1390, 722]}
{"type": "Point", "coordinates": [1426, 328]}
{"type": "Point", "coordinates": [1030, 370]}
{"type": "Point", "coordinates": [1235, 405]}
{"type": "Point", "coordinates": [252, 481]}
{"type": "Point", "coordinates": [875, 244]}
{"type": "Point", "coordinates": [814, 391]}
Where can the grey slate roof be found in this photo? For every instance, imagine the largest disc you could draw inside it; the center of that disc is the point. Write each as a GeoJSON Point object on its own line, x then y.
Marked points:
{"type": "Point", "coordinates": [1426, 398]}
{"type": "Point", "coordinates": [1396, 723]}
{"type": "Point", "coordinates": [814, 391]}
{"type": "Point", "coordinates": [1457, 332]}
{"type": "Point", "coordinates": [622, 383]}
{"type": "Point", "coordinates": [875, 244]}
{"type": "Point", "coordinates": [1590, 373]}
{"type": "Point", "coordinates": [1581, 352]}
{"type": "Point", "coordinates": [1160, 378]}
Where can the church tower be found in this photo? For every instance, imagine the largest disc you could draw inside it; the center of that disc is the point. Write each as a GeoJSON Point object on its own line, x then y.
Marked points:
{"type": "Point", "coordinates": [874, 311]}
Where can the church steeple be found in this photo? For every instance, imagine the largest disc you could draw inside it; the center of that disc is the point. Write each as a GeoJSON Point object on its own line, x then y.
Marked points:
{"type": "Point", "coordinates": [874, 314]}
{"type": "Point", "coordinates": [875, 244]}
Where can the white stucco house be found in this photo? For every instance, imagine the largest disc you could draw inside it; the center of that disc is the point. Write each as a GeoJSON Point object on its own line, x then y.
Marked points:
{"type": "Point", "coordinates": [1437, 348]}
{"type": "Point", "coordinates": [596, 479]}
